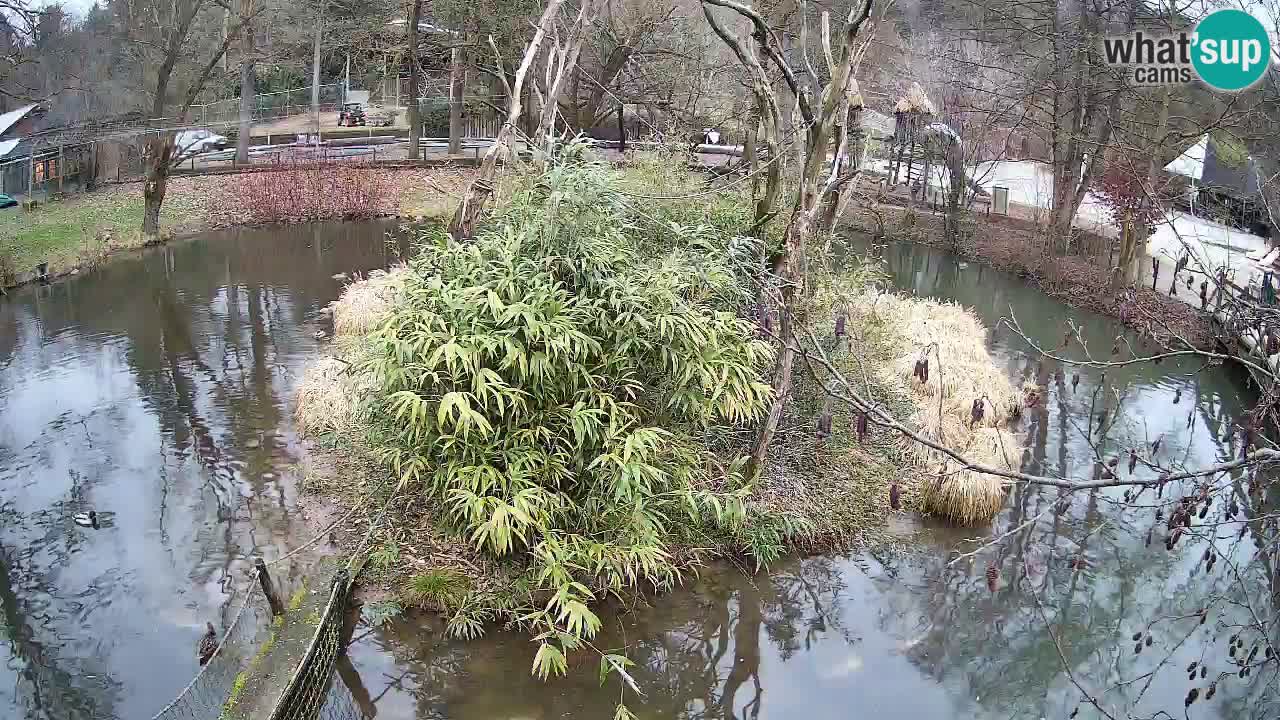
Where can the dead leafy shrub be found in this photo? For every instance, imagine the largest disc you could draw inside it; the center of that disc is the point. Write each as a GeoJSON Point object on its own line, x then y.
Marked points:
{"type": "Point", "coordinates": [308, 191]}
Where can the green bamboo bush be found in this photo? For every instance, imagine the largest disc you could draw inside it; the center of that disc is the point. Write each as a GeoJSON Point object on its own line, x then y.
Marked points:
{"type": "Point", "coordinates": [547, 385]}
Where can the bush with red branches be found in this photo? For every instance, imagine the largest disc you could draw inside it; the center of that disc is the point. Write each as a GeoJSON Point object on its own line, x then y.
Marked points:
{"type": "Point", "coordinates": [1129, 194]}
{"type": "Point", "coordinates": [316, 190]}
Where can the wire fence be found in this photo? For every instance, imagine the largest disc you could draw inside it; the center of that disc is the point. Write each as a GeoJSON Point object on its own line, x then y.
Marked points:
{"type": "Point", "coordinates": [204, 697]}
{"type": "Point", "coordinates": [308, 691]}
{"type": "Point", "coordinates": [267, 106]}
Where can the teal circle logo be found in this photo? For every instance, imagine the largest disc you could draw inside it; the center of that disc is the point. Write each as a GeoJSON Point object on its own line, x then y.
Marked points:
{"type": "Point", "coordinates": [1232, 50]}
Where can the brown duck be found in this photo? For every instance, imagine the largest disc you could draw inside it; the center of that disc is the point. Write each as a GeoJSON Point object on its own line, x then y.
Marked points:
{"type": "Point", "coordinates": [208, 644]}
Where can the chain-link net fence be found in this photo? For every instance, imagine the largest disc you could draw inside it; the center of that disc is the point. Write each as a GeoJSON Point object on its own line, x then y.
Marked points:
{"type": "Point", "coordinates": [204, 697]}
{"type": "Point", "coordinates": [308, 689]}
{"type": "Point", "coordinates": [267, 106]}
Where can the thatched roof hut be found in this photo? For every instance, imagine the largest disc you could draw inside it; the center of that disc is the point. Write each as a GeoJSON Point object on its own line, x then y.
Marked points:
{"type": "Point", "coordinates": [915, 101]}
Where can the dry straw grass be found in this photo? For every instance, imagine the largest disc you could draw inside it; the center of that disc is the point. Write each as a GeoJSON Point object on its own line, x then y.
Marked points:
{"type": "Point", "coordinates": [961, 371]}
{"type": "Point", "coordinates": [329, 394]}
{"type": "Point", "coordinates": [366, 303]}
{"type": "Point", "coordinates": [328, 397]}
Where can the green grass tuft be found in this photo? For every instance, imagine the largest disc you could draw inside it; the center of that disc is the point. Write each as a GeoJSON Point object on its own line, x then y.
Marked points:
{"type": "Point", "coordinates": [295, 600]}
{"type": "Point", "coordinates": [436, 589]}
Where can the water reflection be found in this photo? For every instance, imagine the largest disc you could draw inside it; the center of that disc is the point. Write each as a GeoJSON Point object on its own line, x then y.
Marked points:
{"type": "Point", "coordinates": [156, 391]}
{"type": "Point", "coordinates": [919, 633]}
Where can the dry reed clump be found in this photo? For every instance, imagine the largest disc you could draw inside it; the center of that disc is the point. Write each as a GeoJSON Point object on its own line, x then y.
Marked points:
{"type": "Point", "coordinates": [967, 497]}
{"type": "Point", "coordinates": [364, 304]}
{"type": "Point", "coordinates": [962, 401]}
{"type": "Point", "coordinates": [328, 397]}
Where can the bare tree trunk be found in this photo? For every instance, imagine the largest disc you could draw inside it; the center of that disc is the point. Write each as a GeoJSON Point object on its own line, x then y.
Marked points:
{"type": "Point", "coordinates": [457, 80]}
{"type": "Point", "coordinates": [1142, 231]}
{"type": "Point", "coordinates": [415, 122]}
{"type": "Point", "coordinates": [1126, 261]}
{"type": "Point", "coordinates": [1086, 99]}
{"type": "Point", "coordinates": [791, 278]}
{"type": "Point", "coordinates": [767, 205]}
{"type": "Point", "coordinates": [315, 74]}
{"type": "Point", "coordinates": [851, 144]}
{"type": "Point", "coordinates": [248, 98]}
{"type": "Point", "coordinates": [226, 28]}
{"type": "Point", "coordinates": [480, 190]}
{"type": "Point", "coordinates": [155, 183]}
{"type": "Point", "coordinates": [956, 191]}
{"type": "Point", "coordinates": [770, 119]}
{"type": "Point", "coordinates": [622, 129]}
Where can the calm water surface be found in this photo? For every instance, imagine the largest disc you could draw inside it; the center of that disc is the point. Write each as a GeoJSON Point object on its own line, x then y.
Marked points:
{"type": "Point", "coordinates": [158, 389]}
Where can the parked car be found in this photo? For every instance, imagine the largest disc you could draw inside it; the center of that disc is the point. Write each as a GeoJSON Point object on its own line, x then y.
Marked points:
{"type": "Point", "coordinates": [7, 202]}
{"type": "Point", "coordinates": [352, 114]}
{"type": "Point", "coordinates": [192, 142]}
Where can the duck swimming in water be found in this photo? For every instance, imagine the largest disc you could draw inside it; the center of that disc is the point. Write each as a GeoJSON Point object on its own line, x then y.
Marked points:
{"type": "Point", "coordinates": [87, 519]}
{"type": "Point", "coordinates": [208, 644]}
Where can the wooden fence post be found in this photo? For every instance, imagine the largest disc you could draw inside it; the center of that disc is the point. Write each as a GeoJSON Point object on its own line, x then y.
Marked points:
{"type": "Point", "coordinates": [265, 578]}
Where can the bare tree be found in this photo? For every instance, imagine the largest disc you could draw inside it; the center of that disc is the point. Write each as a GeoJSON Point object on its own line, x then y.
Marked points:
{"type": "Point", "coordinates": [625, 34]}
{"type": "Point", "coordinates": [315, 69]}
{"type": "Point", "coordinates": [247, 83]}
{"type": "Point", "coordinates": [819, 105]}
{"type": "Point", "coordinates": [480, 191]}
{"type": "Point", "coordinates": [559, 67]}
{"type": "Point", "coordinates": [18, 22]}
{"type": "Point", "coordinates": [162, 34]}
{"type": "Point", "coordinates": [415, 74]}
{"type": "Point", "coordinates": [457, 87]}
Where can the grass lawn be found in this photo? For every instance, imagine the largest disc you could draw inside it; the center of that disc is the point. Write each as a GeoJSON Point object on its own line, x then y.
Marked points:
{"type": "Point", "coordinates": [80, 230]}
{"type": "Point", "coordinates": [431, 193]}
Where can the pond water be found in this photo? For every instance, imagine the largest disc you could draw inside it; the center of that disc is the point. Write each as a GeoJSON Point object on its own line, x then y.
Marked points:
{"type": "Point", "coordinates": [158, 389]}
